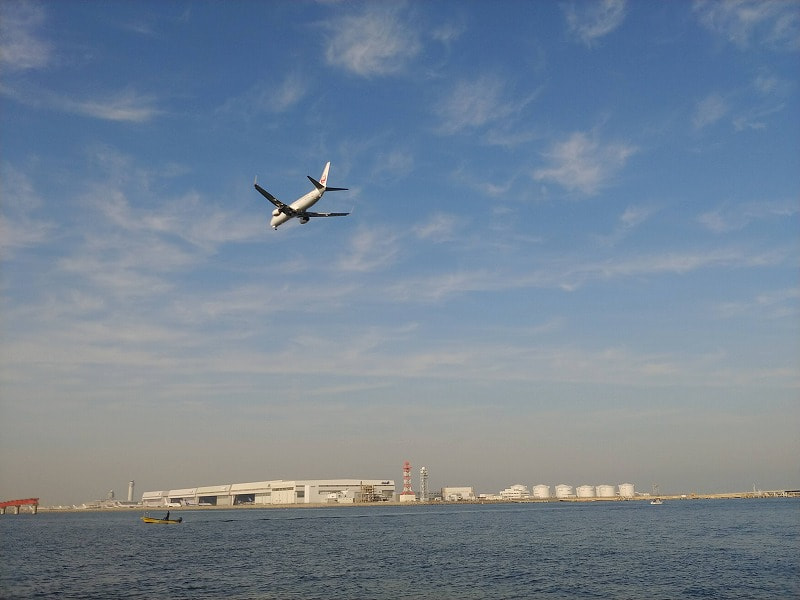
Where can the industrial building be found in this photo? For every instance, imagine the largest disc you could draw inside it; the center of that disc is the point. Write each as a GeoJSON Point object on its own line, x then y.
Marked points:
{"type": "Point", "coordinates": [455, 494]}
{"type": "Point", "coordinates": [318, 491]}
{"type": "Point", "coordinates": [515, 492]}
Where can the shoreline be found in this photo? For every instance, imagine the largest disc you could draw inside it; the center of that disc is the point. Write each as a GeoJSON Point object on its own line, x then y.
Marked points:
{"type": "Point", "coordinates": [573, 500]}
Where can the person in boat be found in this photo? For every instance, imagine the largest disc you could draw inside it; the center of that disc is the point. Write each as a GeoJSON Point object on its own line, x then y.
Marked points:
{"type": "Point", "coordinates": [167, 517]}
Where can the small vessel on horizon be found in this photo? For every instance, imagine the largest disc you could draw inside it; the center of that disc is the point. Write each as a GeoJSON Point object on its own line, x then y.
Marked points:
{"type": "Point", "coordinates": [656, 498]}
{"type": "Point", "coordinates": [162, 521]}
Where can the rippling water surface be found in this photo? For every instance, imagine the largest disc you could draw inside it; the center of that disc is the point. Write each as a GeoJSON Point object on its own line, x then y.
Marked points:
{"type": "Point", "coordinates": [683, 549]}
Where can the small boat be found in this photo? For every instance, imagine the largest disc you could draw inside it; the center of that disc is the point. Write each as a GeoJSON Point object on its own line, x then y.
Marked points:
{"type": "Point", "coordinates": [657, 500]}
{"type": "Point", "coordinates": [167, 521]}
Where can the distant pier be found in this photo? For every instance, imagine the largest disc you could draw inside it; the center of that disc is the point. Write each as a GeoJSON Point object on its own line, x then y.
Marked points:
{"type": "Point", "coordinates": [15, 505]}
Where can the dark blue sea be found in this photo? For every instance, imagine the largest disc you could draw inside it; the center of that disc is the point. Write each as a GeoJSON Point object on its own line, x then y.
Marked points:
{"type": "Point", "coordinates": [682, 549]}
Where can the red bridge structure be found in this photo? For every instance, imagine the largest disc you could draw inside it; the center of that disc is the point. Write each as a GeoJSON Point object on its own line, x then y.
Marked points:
{"type": "Point", "coordinates": [15, 504]}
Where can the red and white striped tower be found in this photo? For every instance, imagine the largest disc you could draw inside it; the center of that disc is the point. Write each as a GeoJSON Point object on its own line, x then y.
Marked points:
{"type": "Point", "coordinates": [407, 495]}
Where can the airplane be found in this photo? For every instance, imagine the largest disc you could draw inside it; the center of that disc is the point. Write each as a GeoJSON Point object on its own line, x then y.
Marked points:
{"type": "Point", "coordinates": [299, 208]}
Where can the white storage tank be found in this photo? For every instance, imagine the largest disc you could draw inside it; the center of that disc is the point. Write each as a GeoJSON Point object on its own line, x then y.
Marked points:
{"type": "Point", "coordinates": [605, 491]}
{"type": "Point", "coordinates": [585, 491]}
{"type": "Point", "coordinates": [626, 490]}
{"type": "Point", "coordinates": [563, 490]}
{"type": "Point", "coordinates": [541, 491]}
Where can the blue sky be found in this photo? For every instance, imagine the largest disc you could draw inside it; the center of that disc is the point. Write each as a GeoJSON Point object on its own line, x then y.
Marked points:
{"type": "Point", "coordinates": [572, 255]}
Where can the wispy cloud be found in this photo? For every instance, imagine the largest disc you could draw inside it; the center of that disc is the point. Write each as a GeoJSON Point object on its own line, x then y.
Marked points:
{"type": "Point", "coordinates": [771, 23]}
{"type": "Point", "coordinates": [774, 304]}
{"type": "Point", "coordinates": [125, 106]}
{"type": "Point", "coordinates": [271, 97]}
{"type": "Point", "coordinates": [628, 221]}
{"type": "Point", "coordinates": [439, 227]}
{"type": "Point", "coordinates": [571, 273]}
{"type": "Point", "coordinates": [188, 217]}
{"type": "Point", "coordinates": [393, 164]}
{"type": "Point", "coordinates": [376, 41]}
{"type": "Point", "coordinates": [734, 217]}
{"type": "Point", "coordinates": [370, 249]}
{"type": "Point", "coordinates": [21, 48]}
{"type": "Point", "coordinates": [709, 110]}
{"type": "Point", "coordinates": [449, 32]}
{"type": "Point", "coordinates": [574, 274]}
{"type": "Point", "coordinates": [581, 163]}
{"type": "Point", "coordinates": [19, 227]}
{"type": "Point", "coordinates": [590, 20]}
{"type": "Point", "coordinates": [476, 103]}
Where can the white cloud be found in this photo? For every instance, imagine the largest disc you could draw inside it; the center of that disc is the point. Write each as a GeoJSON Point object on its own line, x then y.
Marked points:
{"type": "Point", "coordinates": [628, 221]}
{"type": "Point", "coordinates": [772, 23]}
{"type": "Point", "coordinates": [776, 304]}
{"type": "Point", "coordinates": [124, 106]}
{"type": "Point", "coordinates": [377, 41]}
{"type": "Point", "coordinates": [20, 47]}
{"type": "Point", "coordinates": [591, 20]}
{"type": "Point", "coordinates": [127, 105]}
{"type": "Point", "coordinates": [370, 249]}
{"type": "Point", "coordinates": [476, 103]}
{"type": "Point", "coordinates": [268, 97]}
{"type": "Point", "coordinates": [472, 104]}
{"type": "Point", "coordinates": [635, 215]}
{"type": "Point", "coordinates": [766, 83]}
{"type": "Point", "coordinates": [734, 217]}
{"type": "Point", "coordinates": [756, 118]}
{"type": "Point", "coordinates": [438, 227]}
{"type": "Point", "coordinates": [188, 217]}
{"type": "Point", "coordinates": [393, 164]}
{"type": "Point", "coordinates": [676, 263]}
{"type": "Point", "coordinates": [18, 225]}
{"type": "Point", "coordinates": [709, 110]}
{"type": "Point", "coordinates": [571, 273]}
{"type": "Point", "coordinates": [581, 163]}
{"type": "Point", "coordinates": [449, 32]}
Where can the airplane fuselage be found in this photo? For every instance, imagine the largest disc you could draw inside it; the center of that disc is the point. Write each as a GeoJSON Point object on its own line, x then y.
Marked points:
{"type": "Point", "coordinates": [299, 208]}
{"type": "Point", "coordinates": [301, 204]}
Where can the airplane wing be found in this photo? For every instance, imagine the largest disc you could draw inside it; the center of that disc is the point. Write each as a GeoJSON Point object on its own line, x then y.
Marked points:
{"type": "Point", "coordinates": [316, 214]}
{"type": "Point", "coordinates": [284, 208]}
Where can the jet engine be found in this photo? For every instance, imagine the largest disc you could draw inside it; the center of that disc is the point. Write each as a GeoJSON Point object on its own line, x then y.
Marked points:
{"type": "Point", "coordinates": [303, 220]}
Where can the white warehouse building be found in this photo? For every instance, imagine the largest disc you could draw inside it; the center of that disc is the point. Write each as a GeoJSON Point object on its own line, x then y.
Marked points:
{"type": "Point", "coordinates": [515, 492]}
{"type": "Point", "coordinates": [317, 491]}
{"type": "Point", "coordinates": [455, 494]}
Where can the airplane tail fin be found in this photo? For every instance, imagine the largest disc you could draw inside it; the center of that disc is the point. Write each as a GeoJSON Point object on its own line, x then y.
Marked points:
{"type": "Point", "coordinates": [321, 185]}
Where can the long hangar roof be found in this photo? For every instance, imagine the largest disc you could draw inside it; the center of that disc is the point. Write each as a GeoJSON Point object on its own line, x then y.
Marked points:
{"type": "Point", "coordinates": [278, 491]}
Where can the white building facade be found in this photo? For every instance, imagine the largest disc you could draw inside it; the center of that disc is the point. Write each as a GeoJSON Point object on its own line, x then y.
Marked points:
{"type": "Point", "coordinates": [320, 491]}
{"type": "Point", "coordinates": [455, 494]}
{"type": "Point", "coordinates": [515, 492]}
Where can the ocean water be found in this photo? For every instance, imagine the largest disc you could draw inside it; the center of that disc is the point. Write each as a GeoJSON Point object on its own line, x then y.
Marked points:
{"type": "Point", "coordinates": [682, 549]}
